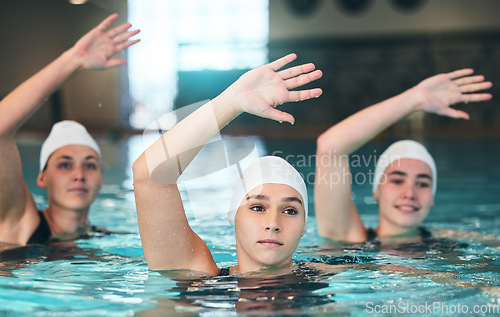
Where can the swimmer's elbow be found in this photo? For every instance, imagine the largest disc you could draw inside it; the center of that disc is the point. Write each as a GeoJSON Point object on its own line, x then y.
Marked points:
{"type": "Point", "coordinates": [336, 234]}
{"type": "Point", "coordinates": [140, 169]}
{"type": "Point", "coordinates": [331, 144]}
{"type": "Point", "coordinates": [322, 145]}
{"type": "Point", "coordinates": [326, 145]}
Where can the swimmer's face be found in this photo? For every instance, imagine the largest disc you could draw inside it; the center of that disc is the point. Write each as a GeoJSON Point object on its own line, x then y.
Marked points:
{"type": "Point", "coordinates": [72, 177]}
{"type": "Point", "coordinates": [269, 224]}
{"type": "Point", "coordinates": [404, 196]}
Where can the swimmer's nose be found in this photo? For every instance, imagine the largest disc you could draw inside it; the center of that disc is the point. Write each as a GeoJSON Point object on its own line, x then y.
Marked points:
{"type": "Point", "coordinates": [273, 224]}
{"type": "Point", "coordinates": [409, 192]}
{"type": "Point", "coordinates": [273, 228]}
{"type": "Point", "coordinates": [78, 175]}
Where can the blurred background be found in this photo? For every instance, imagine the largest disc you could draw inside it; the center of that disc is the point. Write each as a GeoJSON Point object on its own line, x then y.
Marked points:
{"type": "Point", "coordinates": [191, 50]}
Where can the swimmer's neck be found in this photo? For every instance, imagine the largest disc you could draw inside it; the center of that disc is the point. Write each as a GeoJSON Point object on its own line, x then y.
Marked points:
{"type": "Point", "coordinates": [280, 269]}
{"type": "Point", "coordinates": [62, 220]}
{"type": "Point", "coordinates": [398, 233]}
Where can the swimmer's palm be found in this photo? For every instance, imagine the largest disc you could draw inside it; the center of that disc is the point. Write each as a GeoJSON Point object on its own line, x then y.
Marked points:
{"type": "Point", "coordinates": [439, 93]}
{"type": "Point", "coordinates": [96, 49]}
{"type": "Point", "coordinates": [263, 89]}
{"type": "Point", "coordinates": [98, 46]}
{"type": "Point", "coordinates": [94, 52]}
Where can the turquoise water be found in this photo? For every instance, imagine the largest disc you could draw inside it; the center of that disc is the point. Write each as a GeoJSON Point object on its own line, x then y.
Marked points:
{"type": "Point", "coordinates": [108, 276]}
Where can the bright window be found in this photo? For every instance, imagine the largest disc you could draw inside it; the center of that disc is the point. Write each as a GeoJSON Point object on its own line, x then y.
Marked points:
{"type": "Point", "coordinates": [189, 35]}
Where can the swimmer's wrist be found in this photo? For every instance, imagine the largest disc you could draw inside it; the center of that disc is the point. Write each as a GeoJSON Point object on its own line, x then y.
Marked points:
{"type": "Point", "coordinates": [229, 102]}
{"type": "Point", "coordinates": [415, 100]}
{"type": "Point", "coordinates": [226, 109]}
{"type": "Point", "coordinates": [73, 60]}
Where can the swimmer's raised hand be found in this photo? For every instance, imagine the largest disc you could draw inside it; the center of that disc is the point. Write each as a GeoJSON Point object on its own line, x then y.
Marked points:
{"type": "Point", "coordinates": [441, 91]}
{"type": "Point", "coordinates": [260, 90]}
{"type": "Point", "coordinates": [97, 47]}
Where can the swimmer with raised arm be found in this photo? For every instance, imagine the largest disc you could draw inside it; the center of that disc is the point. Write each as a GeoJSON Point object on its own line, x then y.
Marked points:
{"type": "Point", "coordinates": [70, 168]}
{"type": "Point", "coordinates": [269, 204]}
{"type": "Point", "coordinates": [405, 176]}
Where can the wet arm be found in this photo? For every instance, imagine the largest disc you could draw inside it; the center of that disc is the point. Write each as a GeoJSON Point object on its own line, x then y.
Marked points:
{"type": "Point", "coordinates": [471, 236]}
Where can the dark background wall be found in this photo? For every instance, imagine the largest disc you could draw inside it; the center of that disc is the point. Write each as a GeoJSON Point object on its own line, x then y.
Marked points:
{"type": "Point", "coordinates": [366, 55]}
{"type": "Point", "coordinates": [34, 32]}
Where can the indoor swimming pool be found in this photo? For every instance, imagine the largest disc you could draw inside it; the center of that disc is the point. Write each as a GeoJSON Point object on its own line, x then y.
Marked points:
{"type": "Point", "coordinates": [108, 276]}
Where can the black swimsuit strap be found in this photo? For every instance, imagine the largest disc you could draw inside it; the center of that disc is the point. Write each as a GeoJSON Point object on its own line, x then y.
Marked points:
{"type": "Point", "coordinates": [224, 271]}
{"type": "Point", "coordinates": [42, 232]}
{"type": "Point", "coordinates": [371, 234]}
{"type": "Point", "coordinates": [424, 233]}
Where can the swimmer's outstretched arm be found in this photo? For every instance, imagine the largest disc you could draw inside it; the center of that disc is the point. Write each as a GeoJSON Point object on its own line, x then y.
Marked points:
{"type": "Point", "coordinates": [167, 239]}
{"type": "Point", "coordinates": [336, 214]}
{"type": "Point", "coordinates": [95, 50]}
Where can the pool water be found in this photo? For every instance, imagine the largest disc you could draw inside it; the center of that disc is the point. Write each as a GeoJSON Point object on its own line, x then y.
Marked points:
{"type": "Point", "coordinates": [108, 276]}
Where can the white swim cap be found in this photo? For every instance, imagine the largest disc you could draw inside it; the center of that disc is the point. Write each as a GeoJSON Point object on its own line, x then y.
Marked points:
{"type": "Point", "coordinates": [266, 170]}
{"type": "Point", "coordinates": [65, 133]}
{"type": "Point", "coordinates": [405, 149]}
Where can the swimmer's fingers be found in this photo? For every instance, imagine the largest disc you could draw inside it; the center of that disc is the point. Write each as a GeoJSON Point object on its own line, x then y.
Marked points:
{"type": "Point", "coordinates": [279, 63]}
{"type": "Point", "coordinates": [115, 62]}
{"type": "Point", "coordinates": [471, 84]}
{"type": "Point", "coordinates": [460, 73]}
{"type": "Point", "coordinates": [124, 45]}
{"type": "Point", "coordinates": [475, 97]}
{"type": "Point", "coordinates": [297, 70]}
{"type": "Point", "coordinates": [465, 98]}
{"type": "Point", "coordinates": [303, 79]}
{"type": "Point", "coordinates": [475, 87]}
{"type": "Point", "coordinates": [277, 115]}
{"type": "Point", "coordinates": [304, 94]}
{"type": "Point", "coordinates": [117, 30]}
{"type": "Point", "coordinates": [454, 113]}
{"type": "Point", "coordinates": [107, 22]}
{"type": "Point", "coordinates": [469, 80]}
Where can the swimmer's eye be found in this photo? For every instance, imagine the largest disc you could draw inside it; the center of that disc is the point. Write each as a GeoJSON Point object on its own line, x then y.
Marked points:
{"type": "Point", "coordinates": [64, 165]}
{"type": "Point", "coordinates": [91, 166]}
{"type": "Point", "coordinates": [424, 184]}
{"type": "Point", "coordinates": [257, 208]}
{"type": "Point", "coordinates": [290, 211]}
{"type": "Point", "coordinates": [397, 181]}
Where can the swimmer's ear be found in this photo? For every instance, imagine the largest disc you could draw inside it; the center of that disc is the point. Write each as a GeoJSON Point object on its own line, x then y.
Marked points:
{"type": "Point", "coordinates": [40, 181]}
{"type": "Point", "coordinates": [376, 194]}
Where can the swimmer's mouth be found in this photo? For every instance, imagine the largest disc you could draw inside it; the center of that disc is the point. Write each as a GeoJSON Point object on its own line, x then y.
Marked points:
{"type": "Point", "coordinates": [270, 242]}
{"type": "Point", "coordinates": [79, 190]}
{"type": "Point", "coordinates": [407, 208]}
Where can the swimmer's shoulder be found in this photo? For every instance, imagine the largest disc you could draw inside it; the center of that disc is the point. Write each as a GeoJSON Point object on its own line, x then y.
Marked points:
{"type": "Point", "coordinates": [325, 268]}
{"type": "Point", "coordinates": [96, 230]}
{"type": "Point", "coordinates": [469, 236]}
{"type": "Point", "coordinates": [85, 233]}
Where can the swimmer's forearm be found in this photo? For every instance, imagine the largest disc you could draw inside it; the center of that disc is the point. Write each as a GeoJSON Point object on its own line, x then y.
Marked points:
{"type": "Point", "coordinates": [358, 129]}
{"type": "Point", "coordinates": [167, 158]}
{"type": "Point", "coordinates": [23, 101]}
